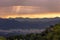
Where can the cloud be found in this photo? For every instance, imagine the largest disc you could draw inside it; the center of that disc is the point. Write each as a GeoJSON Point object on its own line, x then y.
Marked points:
{"type": "Point", "coordinates": [22, 10]}
{"type": "Point", "coordinates": [22, 2]}
{"type": "Point", "coordinates": [28, 6]}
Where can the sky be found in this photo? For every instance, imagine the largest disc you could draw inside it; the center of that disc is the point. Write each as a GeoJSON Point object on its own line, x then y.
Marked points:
{"type": "Point", "coordinates": [30, 8]}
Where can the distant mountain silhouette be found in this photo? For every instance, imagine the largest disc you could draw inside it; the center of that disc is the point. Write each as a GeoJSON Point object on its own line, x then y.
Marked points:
{"type": "Point", "coordinates": [26, 23]}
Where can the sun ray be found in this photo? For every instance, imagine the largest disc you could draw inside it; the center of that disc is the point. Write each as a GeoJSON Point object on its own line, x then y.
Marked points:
{"type": "Point", "coordinates": [16, 8]}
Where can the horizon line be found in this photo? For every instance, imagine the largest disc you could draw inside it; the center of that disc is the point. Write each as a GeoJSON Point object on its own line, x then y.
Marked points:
{"type": "Point", "coordinates": [28, 17]}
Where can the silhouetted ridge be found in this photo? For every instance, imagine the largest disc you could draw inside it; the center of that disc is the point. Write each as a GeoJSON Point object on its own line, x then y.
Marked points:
{"type": "Point", "coordinates": [27, 23]}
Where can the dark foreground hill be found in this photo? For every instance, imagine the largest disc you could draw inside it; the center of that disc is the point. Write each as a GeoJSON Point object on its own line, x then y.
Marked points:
{"type": "Point", "coordinates": [51, 33]}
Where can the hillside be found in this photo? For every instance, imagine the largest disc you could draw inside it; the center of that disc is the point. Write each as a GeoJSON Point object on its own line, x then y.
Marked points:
{"type": "Point", "coordinates": [27, 23]}
{"type": "Point", "coordinates": [51, 33]}
{"type": "Point", "coordinates": [17, 26]}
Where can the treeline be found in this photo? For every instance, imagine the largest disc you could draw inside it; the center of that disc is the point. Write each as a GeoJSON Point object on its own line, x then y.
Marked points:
{"type": "Point", "coordinates": [51, 33]}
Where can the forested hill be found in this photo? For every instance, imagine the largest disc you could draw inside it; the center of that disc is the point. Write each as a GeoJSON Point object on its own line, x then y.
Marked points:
{"type": "Point", "coordinates": [51, 33]}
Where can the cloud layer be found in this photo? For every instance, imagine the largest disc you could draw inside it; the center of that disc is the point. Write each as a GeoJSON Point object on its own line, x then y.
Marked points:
{"type": "Point", "coordinates": [51, 5]}
{"type": "Point", "coordinates": [11, 7]}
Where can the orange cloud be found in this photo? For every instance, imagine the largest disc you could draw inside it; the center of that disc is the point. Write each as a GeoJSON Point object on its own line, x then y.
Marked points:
{"type": "Point", "coordinates": [36, 15]}
{"type": "Point", "coordinates": [27, 11]}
